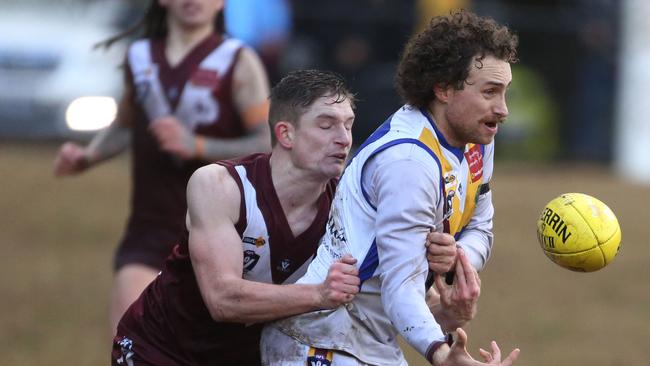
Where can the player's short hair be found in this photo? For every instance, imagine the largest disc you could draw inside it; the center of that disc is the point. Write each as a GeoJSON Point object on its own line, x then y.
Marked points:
{"type": "Point", "coordinates": [293, 95]}
{"type": "Point", "coordinates": [442, 53]}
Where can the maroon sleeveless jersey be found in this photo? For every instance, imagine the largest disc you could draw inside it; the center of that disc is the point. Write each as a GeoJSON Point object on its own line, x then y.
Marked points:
{"type": "Point", "coordinates": [170, 325]}
{"type": "Point", "coordinates": [198, 92]}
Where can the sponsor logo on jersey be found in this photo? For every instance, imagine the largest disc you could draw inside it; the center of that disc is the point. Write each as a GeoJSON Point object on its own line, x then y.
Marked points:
{"type": "Point", "coordinates": [475, 162]}
{"type": "Point", "coordinates": [205, 78]}
{"type": "Point", "coordinates": [319, 357]}
{"type": "Point", "coordinates": [250, 260]}
{"type": "Point", "coordinates": [258, 242]}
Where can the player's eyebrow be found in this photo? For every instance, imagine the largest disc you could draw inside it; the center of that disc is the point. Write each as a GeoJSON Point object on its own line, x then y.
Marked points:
{"type": "Point", "coordinates": [329, 116]}
{"type": "Point", "coordinates": [498, 83]}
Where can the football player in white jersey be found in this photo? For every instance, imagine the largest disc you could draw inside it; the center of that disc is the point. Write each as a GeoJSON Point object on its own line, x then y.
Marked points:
{"type": "Point", "coordinates": [428, 167]}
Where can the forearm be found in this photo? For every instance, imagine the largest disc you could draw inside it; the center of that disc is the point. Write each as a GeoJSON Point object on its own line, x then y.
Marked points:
{"type": "Point", "coordinates": [477, 245]}
{"type": "Point", "coordinates": [403, 301]}
{"type": "Point", "coordinates": [246, 301]}
{"type": "Point", "coordinates": [107, 143]}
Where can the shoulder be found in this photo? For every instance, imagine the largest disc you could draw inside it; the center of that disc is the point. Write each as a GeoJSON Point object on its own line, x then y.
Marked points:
{"type": "Point", "coordinates": [214, 180]}
{"type": "Point", "coordinates": [248, 59]}
{"type": "Point", "coordinates": [139, 46]}
{"type": "Point", "coordinates": [409, 155]}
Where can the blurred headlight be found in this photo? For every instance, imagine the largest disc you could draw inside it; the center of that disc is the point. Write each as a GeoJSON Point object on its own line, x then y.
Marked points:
{"type": "Point", "coordinates": [90, 113]}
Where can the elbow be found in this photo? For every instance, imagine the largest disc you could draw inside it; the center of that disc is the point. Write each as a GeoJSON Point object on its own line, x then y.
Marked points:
{"type": "Point", "coordinates": [222, 307]}
{"type": "Point", "coordinates": [217, 312]}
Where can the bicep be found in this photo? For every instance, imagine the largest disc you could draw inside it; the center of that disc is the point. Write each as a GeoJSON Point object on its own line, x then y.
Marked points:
{"type": "Point", "coordinates": [126, 105]}
{"type": "Point", "coordinates": [251, 89]}
{"type": "Point", "coordinates": [214, 243]}
{"type": "Point", "coordinates": [405, 198]}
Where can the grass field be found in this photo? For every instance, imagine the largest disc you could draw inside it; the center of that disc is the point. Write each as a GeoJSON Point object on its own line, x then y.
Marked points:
{"type": "Point", "coordinates": [57, 238]}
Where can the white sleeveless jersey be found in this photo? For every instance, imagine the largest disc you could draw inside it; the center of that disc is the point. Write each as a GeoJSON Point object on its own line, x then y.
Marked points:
{"type": "Point", "coordinates": [391, 299]}
{"type": "Point", "coordinates": [150, 91]}
{"type": "Point", "coordinates": [271, 252]}
{"type": "Point", "coordinates": [255, 239]}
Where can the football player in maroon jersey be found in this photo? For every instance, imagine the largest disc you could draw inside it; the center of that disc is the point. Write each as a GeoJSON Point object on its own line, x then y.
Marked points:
{"type": "Point", "coordinates": [191, 95]}
{"type": "Point", "coordinates": [254, 224]}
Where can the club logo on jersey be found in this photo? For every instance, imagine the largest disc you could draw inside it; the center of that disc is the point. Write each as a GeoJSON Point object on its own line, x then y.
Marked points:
{"type": "Point", "coordinates": [449, 178]}
{"type": "Point", "coordinates": [143, 80]}
{"type": "Point", "coordinates": [475, 162]}
{"type": "Point", "coordinates": [319, 357]}
{"type": "Point", "coordinates": [448, 207]}
{"type": "Point", "coordinates": [250, 260]}
{"type": "Point", "coordinates": [205, 78]}
{"type": "Point", "coordinates": [258, 242]}
{"type": "Point", "coordinates": [285, 265]}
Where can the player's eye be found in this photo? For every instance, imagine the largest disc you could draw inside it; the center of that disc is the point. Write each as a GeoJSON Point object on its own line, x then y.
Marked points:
{"type": "Point", "coordinates": [490, 92]}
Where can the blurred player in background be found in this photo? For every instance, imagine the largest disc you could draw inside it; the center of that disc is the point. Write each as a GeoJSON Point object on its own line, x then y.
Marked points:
{"type": "Point", "coordinates": [254, 224]}
{"type": "Point", "coordinates": [192, 95]}
{"type": "Point", "coordinates": [427, 167]}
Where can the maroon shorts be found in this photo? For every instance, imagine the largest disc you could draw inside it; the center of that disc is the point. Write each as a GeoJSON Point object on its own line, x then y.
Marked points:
{"type": "Point", "coordinates": [148, 245]}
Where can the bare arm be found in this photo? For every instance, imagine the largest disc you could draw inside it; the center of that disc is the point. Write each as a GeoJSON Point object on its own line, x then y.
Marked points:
{"type": "Point", "coordinates": [109, 142]}
{"type": "Point", "coordinates": [217, 257]}
{"type": "Point", "coordinates": [250, 93]}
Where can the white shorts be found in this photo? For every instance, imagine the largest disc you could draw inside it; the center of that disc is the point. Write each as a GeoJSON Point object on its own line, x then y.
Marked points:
{"type": "Point", "coordinates": [279, 349]}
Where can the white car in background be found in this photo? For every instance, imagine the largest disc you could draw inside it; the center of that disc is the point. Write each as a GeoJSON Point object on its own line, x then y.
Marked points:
{"type": "Point", "coordinates": [52, 82]}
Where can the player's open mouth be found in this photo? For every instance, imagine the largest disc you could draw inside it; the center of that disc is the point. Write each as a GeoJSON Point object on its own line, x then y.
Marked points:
{"type": "Point", "coordinates": [492, 126]}
{"type": "Point", "coordinates": [339, 156]}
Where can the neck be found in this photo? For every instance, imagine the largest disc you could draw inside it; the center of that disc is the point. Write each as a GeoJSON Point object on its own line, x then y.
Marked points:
{"type": "Point", "coordinates": [437, 112]}
{"type": "Point", "coordinates": [295, 188]}
{"type": "Point", "coordinates": [180, 39]}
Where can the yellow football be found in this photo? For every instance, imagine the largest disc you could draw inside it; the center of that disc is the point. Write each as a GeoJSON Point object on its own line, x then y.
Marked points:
{"type": "Point", "coordinates": [578, 232]}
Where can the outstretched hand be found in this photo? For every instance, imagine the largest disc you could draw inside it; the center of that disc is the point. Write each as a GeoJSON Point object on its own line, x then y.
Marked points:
{"type": "Point", "coordinates": [342, 283]}
{"type": "Point", "coordinates": [457, 355]}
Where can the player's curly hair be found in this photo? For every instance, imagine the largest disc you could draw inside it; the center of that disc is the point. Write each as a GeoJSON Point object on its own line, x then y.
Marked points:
{"type": "Point", "coordinates": [441, 54]}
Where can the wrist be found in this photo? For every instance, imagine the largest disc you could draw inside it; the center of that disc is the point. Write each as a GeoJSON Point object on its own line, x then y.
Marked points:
{"type": "Point", "coordinates": [199, 147]}
{"type": "Point", "coordinates": [438, 350]}
{"type": "Point", "coordinates": [449, 322]}
{"type": "Point", "coordinates": [86, 160]}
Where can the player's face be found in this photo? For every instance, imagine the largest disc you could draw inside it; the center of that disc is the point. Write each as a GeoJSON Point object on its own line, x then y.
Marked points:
{"type": "Point", "coordinates": [192, 13]}
{"type": "Point", "coordinates": [323, 137]}
{"type": "Point", "coordinates": [474, 113]}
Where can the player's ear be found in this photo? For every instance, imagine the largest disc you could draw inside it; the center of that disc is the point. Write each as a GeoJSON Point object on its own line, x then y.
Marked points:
{"type": "Point", "coordinates": [442, 93]}
{"type": "Point", "coordinates": [284, 133]}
